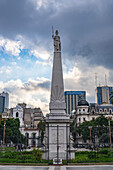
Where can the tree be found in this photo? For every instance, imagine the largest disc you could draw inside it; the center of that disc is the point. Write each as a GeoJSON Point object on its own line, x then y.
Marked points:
{"type": "Point", "coordinates": [12, 132]}
{"type": "Point", "coordinates": [99, 130]}
{"type": "Point", "coordinates": [111, 97]}
{"type": "Point", "coordinates": [0, 117]}
{"type": "Point", "coordinates": [41, 127]}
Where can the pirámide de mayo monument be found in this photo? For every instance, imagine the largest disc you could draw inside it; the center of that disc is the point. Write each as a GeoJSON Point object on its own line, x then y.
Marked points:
{"type": "Point", "coordinates": [57, 140]}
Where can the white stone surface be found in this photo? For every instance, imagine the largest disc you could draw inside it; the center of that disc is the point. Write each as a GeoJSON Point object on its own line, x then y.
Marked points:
{"type": "Point", "coordinates": [57, 131]}
{"type": "Point", "coordinates": [18, 113]}
{"type": "Point", "coordinates": [57, 100]}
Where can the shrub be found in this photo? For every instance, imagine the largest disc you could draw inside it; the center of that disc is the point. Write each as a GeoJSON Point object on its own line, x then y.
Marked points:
{"type": "Point", "coordinates": [81, 152]}
{"type": "Point", "coordinates": [104, 151]}
{"type": "Point", "coordinates": [37, 154]}
{"type": "Point", "coordinates": [9, 155]}
{"type": "Point", "coordinates": [91, 155]}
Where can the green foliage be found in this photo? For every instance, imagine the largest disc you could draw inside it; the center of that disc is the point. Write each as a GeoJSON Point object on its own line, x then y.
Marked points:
{"type": "Point", "coordinates": [111, 97]}
{"type": "Point", "coordinates": [12, 132]}
{"type": "Point", "coordinates": [99, 129]}
{"type": "Point", "coordinates": [37, 154]}
{"type": "Point", "coordinates": [81, 152]}
{"type": "Point", "coordinates": [91, 155]}
{"type": "Point", "coordinates": [73, 130]}
{"type": "Point", "coordinates": [9, 155]}
{"type": "Point", "coordinates": [41, 127]}
{"type": "Point", "coordinates": [104, 151]}
{"type": "Point", "coordinates": [0, 117]}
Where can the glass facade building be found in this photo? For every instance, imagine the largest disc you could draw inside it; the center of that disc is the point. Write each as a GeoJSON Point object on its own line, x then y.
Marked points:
{"type": "Point", "coordinates": [2, 104]}
{"type": "Point", "coordinates": [102, 95]}
{"type": "Point", "coordinates": [72, 98]}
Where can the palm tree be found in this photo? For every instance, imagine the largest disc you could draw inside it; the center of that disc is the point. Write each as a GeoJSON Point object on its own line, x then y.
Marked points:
{"type": "Point", "coordinates": [111, 97]}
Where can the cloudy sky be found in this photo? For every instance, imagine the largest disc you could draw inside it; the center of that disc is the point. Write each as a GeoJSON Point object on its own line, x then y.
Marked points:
{"type": "Point", "coordinates": [26, 47]}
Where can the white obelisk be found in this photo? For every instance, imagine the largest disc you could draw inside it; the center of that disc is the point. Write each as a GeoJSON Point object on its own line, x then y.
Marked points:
{"type": "Point", "coordinates": [57, 100]}
{"type": "Point", "coordinates": [57, 132]}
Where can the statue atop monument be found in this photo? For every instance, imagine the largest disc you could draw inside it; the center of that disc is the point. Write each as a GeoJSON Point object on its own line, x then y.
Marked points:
{"type": "Point", "coordinates": [57, 42]}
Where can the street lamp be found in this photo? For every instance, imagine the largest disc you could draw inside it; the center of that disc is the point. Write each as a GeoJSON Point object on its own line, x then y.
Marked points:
{"type": "Point", "coordinates": [109, 117]}
{"type": "Point", "coordinates": [4, 118]}
{"type": "Point", "coordinates": [90, 127]}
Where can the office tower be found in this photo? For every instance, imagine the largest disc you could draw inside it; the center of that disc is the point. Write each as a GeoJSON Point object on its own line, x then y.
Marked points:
{"type": "Point", "coordinates": [72, 98]}
{"type": "Point", "coordinates": [6, 95]}
{"type": "Point", "coordinates": [2, 104]}
{"type": "Point", "coordinates": [102, 94]}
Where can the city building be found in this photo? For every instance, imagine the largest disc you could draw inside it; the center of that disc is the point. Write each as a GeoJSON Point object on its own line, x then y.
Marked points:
{"type": "Point", "coordinates": [72, 98]}
{"type": "Point", "coordinates": [6, 95]}
{"type": "Point", "coordinates": [88, 112]}
{"type": "Point", "coordinates": [18, 113]}
{"type": "Point", "coordinates": [29, 119]}
{"type": "Point", "coordinates": [32, 116]}
{"type": "Point", "coordinates": [102, 94]}
{"type": "Point", "coordinates": [2, 104]}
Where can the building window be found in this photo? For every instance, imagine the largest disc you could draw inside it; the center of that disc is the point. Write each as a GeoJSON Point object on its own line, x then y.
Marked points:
{"type": "Point", "coordinates": [83, 110]}
{"type": "Point", "coordinates": [33, 139]}
{"type": "Point", "coordinates": [80, 111]}
{"type": "Point", "coordinates": [105, 110]}
{"type": "Point", "coordinates": [93, 111]}
{"type": "Point", "coordinates": [93, 118]}
{"type": "Point", "coordinates": [27, 139]}
{"type": "Point", "coordinates": [79, 134]}
{"type": "Point", "coordinates": [79, 119]}
{"type": "Point", "coordinates": [16, 114]}
{"type": "Point", "coordinates": [110, 111]}
{"type": "Point", "coordinates": [100, 110]}
{"type": "Point", "coordinates": [84, 119]}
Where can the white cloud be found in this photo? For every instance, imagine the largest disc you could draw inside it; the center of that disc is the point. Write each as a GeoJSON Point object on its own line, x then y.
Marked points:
{"type": "Point", "coordinates": [41, 53]}
{"type": "Point", "coordinates": [14, 63]}
{"type": "Point", "coordinates": [6, 70]}
{"type": "Point", "coordinates": [1, 71]}
{"type": "Point", "coordinates": [35, 96]}
{"type": "Point", "coordinates": [83, 78]}
{"type": "Point", "coordinates": [43, 63]}
{"type": "Point", "coordinates": [11, 47]}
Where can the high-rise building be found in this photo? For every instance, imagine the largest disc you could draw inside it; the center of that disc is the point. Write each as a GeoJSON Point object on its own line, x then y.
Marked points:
{"type": "Point", "coordinates": [6, 95]}
{"type": "Point", "coordinates": [2, 104]}
{"type": "Point", "coordinates": [102, 95]}
{"type": "Point", "coordinates": [72, 98]}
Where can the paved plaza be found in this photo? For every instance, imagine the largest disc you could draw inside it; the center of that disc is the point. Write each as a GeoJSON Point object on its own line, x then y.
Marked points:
{"type": "Point", "coordinates": [92, 167]}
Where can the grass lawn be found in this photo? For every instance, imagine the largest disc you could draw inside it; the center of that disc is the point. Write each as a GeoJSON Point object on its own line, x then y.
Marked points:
{"type": "Point", "coordinates": [12, 156]}
{"type": "Point", "coordinates": [103, 155]}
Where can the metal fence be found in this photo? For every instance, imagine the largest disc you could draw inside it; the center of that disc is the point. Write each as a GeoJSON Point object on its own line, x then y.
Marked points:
{"type": "Point", "coordinates": [18, 148]}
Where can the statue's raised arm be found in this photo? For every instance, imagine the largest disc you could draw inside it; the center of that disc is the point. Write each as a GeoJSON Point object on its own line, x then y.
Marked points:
{"type": "Point", "coordinates": [57, 43]}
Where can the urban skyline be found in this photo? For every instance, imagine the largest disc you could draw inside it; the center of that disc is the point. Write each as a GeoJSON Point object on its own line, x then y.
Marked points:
{"type": "Point", "coordinates": [26, 48]}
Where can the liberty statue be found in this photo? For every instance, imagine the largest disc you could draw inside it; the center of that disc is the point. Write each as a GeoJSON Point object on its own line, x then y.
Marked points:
{"type": "Point", "coordinates": [57, 43]}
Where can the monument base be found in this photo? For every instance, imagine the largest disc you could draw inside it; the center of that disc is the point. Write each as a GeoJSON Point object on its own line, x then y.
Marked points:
{"type": "Point", "coordinates": [57, 143]}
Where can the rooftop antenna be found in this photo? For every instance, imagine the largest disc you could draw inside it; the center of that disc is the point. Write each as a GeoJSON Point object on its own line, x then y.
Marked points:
{"type": "Point", "coordinates": [105, 80]}
{"type": "Point", "coordinates": [96, 80]}
{"type": "Point", "coordinates": [52, 32]}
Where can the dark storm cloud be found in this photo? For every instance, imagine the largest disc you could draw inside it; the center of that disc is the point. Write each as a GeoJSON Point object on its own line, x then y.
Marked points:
{"type": "Point", "coordinates": [21, 17]}
{"type": "Point", "coordinates": [85, 29]}
{"type": "Point", "coordinates": [31, 86]}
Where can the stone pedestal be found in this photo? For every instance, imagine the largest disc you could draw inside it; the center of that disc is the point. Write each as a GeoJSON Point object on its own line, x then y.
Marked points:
{"type": "Point", "coordinates": [57, 139]}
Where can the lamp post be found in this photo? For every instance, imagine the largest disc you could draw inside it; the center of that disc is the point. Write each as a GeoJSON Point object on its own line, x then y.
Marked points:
{"type": "Point", "coordinates": [109, 117]}
{"type": "Point", "coordinates": [90, 127]}
{"type": "Point", "coordinates": [4, 118]}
